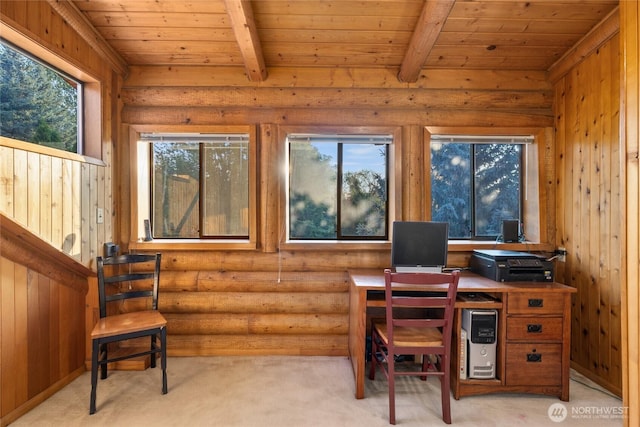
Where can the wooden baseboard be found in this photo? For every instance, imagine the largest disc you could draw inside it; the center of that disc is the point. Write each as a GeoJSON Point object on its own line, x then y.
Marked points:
{"type": "Point", "coordinates": [591, 376]}
{"type": "Point", "coordinates": [41, 397]}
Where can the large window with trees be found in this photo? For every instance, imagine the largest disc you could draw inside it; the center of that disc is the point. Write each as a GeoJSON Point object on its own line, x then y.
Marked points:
{"type": "Point", "coordinates": [338, 187]}
{"type": "Point", "coordinates": [38, 103]}
{"type": "Point", "coordinates": [199, 185]}
{"type": "Point", "coordinates": [476, 183]}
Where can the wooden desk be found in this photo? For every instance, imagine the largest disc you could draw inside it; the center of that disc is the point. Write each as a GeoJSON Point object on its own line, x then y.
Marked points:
{"type": "Point", "coordinates": [519, 304]}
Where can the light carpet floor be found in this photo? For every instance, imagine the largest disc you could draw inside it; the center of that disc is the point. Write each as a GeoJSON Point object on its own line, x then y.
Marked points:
{"type": "Point", "coordinates": [283, 391]}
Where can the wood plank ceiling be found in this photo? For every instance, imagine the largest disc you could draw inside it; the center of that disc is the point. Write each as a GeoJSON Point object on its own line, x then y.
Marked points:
{"type": "Point", "coordinates": [407, 35]}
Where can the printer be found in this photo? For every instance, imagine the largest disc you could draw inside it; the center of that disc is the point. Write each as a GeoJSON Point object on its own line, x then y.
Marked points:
{"type": "Point", "coordinates": [511, 266]}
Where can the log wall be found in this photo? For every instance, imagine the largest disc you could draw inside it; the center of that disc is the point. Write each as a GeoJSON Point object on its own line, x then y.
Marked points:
{"type": "Point", "coordinates": [293, 298]}
{"type": "Point", "coordinates": [256, 312]}
{"type": "Point", "coordinates": [590, 200]}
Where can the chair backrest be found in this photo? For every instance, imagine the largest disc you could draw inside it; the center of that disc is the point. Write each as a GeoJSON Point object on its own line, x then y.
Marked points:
{"type": "Point", "coordinates": [130, 276]}
{"type": "Point", "coordinates": [435, 293]}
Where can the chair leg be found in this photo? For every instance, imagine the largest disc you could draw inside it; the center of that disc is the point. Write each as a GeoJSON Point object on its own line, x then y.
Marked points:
{"type": "Point", "coordinates": [445, 389]}
{"type": "Point", "coordinates": [163, 360]}
{"type": "Point", "coordinates": [94, 376]}
{"type": "Point", "coordinates": [425, 365]}
{"type": "Point", "coordinates": [392, 389]}
{"type": "Point", "coordinates": [102, 349]}
{"type": "Point", "coordinates": [374, 359]}
{"type": "Point", "coordinates": [153, 347]}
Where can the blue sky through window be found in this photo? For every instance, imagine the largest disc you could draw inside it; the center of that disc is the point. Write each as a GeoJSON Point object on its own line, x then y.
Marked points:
{"type": "Point", "coordinates": [368, 156]}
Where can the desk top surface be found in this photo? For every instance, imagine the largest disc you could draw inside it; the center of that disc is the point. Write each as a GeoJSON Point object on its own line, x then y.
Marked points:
{"type": "Point", "coordinates": [372, 279]}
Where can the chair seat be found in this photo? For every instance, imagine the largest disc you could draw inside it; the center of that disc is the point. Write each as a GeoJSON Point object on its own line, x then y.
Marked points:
{"type": "Point", "coordinates": [128, 322]}
{"type": "Point", "coordinates": [411, 337]}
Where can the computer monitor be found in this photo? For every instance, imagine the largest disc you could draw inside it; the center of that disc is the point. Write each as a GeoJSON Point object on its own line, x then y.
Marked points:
{"type": "Point", "coordinates": [419, 246]}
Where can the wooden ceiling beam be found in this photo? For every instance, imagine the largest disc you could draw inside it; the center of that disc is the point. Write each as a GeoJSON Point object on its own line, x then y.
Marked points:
{"type": "Point", "coordinates": [433, 16]}
{"type": "Point", "coordinates": [80, 23]}
{"type": "Point", "coordinates": [244, 27]}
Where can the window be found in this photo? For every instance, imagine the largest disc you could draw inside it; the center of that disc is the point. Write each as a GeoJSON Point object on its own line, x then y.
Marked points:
{"type": "Point", "coordinates": [199, 185]}
{"type": "Point", "coordinates": [338, 187]}
{"type": "Point", "coordinates": [476, 182]}
{"type": "Point", "coordinates": [39, 104]}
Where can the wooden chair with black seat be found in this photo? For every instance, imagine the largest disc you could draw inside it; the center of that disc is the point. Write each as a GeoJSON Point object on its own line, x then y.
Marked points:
{"type": "Point", "coordinates": [128, 288]}
{"type": "Point", "coordinates": [419, 310]}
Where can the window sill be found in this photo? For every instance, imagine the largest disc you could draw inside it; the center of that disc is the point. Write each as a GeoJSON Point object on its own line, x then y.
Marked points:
{"type": "Point", "coordinates": [317, 245]}
{"type": "Point", "coordinates": [333, 245]}
{"type": "Point", "coordinates": [454, 245]}
{"type": "Point", "coordinates": [193, 245]}
{"type": "Point", "coordinates": [48, 151]}
{"type": "Point", "coordinates": [469, 245]}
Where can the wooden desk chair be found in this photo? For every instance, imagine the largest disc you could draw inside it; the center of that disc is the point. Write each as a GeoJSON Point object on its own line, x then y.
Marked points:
{"type": "Point", "coordinates": [420, 325]}
{"type": "Point", "coordinates": [130, 281]}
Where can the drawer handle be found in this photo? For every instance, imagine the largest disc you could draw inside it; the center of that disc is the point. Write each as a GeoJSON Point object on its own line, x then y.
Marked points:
{"type": "Point", "coordinates": [535, 328]}
{"type": "Point", "coordinates": [536, 302]}
{"type": "Point", "coordinates": [534, 357]}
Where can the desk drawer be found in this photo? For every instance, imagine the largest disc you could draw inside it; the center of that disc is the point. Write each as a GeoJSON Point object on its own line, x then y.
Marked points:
{"type": "Point", "coordinates": [534, 328]}
{"type": "Point", "coordinates": [538, 364]}
{"type": "Point", "coordinates": [535, 303]}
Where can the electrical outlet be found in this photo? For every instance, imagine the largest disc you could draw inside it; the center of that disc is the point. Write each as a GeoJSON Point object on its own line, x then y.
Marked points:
{"type": "Point", "coordinates": [562, 254]}
{"type": "Point", "coordinates": [111, 249]}
{"type": "Point", "coordinates": [100, 216]}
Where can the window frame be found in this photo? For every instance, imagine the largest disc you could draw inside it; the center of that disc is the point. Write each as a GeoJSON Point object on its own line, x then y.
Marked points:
{"type": "Point", "coordinates": [140, 180]}
{"type": "Point", "coordinates": [90, 137]}
{"type": "Point", "coordinates": [79, 119]}
{"type": "Point", "coordinates": [340, 142]}
{"type": "Point", "coordinates": [537, 182]}
{"type": "Point", "coordinates": [201, 144]}
{"type": "Point", "coordinates": [394, 177]}
{"type": "Point", "coordinates": [472, 143]}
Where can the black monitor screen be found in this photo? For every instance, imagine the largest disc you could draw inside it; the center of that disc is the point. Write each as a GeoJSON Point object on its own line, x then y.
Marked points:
{"type": "Point", "coordinates": [419, 245]}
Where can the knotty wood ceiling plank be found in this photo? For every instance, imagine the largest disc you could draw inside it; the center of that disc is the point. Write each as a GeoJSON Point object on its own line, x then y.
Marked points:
{"type": "Point", "coordinates": [209, 6]}
{"type": "Point", "coordinates": [184, 21]}
{"type": "Point", "coordinates": [79, 22]}
{"type": "Point", "coordinates": [526, 26]}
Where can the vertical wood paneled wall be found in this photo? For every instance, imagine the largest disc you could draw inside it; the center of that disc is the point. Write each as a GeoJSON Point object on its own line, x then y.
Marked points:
{"type": "Point", "coordinates": [589, 202]}
{"type": "Point", "coordinates": [630, 45]}
{"type": "Point", "coordinates": [43, 337]}
{"type": "Point", "coordinates": [55, 197]}
{"type": "Point", "coordinates": [42, 333]}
